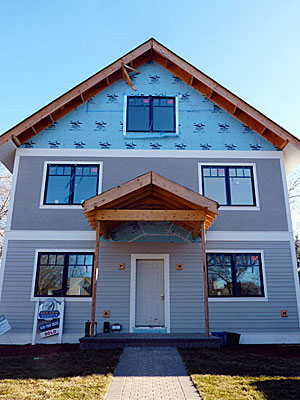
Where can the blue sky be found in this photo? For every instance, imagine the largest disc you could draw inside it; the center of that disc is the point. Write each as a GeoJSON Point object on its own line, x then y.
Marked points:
{"type": "Point", "coordinates": [249, 46]}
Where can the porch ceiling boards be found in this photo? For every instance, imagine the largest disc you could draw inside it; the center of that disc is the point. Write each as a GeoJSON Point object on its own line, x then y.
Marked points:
{"type": "Point", "coordinates": [150, 197]}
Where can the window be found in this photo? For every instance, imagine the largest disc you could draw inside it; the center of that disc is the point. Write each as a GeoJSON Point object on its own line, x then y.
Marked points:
{"type": "Point", "coordinates": [234, 275]}
{"type": "Point", "coordinates": [150, 114]}
{"type": "Point", "coordinates": [64, 274]}
{"type": "Point", "coordinates": [229, 186]}
{"type": "Point", "coordinates": [71, 183]}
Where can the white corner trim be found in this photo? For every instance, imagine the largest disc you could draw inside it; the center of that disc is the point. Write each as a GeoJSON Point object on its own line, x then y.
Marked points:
{"type": "Point", "coordinates": [286, 195]}
{"type": "Point", "coordinates": [51, 250]}
{"type": "Point", "coordinates": [225, 154]}
{"type": "Point", "coordinates": [263, 268]}
{"type": "Point", "coordinates": [134, 258]}
{"type": "Point", "coordinates": [232, 164]}
{"type": "Point", "coordinates": [13, 190]}
{"type": "Point", "coordinates": [67, 206]}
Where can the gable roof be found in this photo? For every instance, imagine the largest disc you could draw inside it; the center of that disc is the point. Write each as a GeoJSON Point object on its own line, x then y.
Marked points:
{"type": "Point", "coordinates": [150, 197]}
{"type": "Point", "coordinates": [150, 50]}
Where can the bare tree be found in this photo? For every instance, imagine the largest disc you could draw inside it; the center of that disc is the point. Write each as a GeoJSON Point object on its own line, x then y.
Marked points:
{"type": "Point", "coordinates": [5, 184]}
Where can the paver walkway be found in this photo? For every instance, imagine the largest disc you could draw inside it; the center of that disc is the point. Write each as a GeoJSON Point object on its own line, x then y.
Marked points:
{"type": "Point", "coordinates": [151, 373]}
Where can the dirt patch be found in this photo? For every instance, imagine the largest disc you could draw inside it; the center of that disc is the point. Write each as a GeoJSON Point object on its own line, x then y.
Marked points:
{"type": "Point", "coordinates": [37, 350]}
{"type": "Point", "coordinates": [269, 350]}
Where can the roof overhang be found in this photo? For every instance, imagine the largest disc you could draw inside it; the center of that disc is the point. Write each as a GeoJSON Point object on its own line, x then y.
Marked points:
{"type": "Point", "coordinates": [151, 49]}
{"type": "Point", "coordinates": [150, 197]}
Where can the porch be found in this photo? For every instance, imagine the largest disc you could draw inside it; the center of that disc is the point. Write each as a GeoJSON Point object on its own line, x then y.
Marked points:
{"type": "Point", "coordinates": [154, 199]}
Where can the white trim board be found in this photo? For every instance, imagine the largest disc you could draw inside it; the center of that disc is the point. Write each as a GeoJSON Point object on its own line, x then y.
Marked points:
{"type": "Point", "coordinates": [134, 258]}
{"type": "Point", "coordinates": [226, 154]}
{"type": "Point", "coordinates": [71, 162]}
{"type": "Point", "coordinates": [236, 236]}
{"type": "Point", "coordinates": [232, 164]}
{"type": "Point", "coordinates": [263, 268]}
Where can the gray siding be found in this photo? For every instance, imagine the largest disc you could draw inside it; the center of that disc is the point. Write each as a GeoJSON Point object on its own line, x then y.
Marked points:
{"type": "Point", "coordinates": [28, 215]}
{"type": "Point", "coordinates": [186, 295]}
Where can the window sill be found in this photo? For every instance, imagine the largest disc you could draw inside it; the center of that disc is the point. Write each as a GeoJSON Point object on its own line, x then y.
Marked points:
{"type": "Point", "coordinates": [239, 208]}
{"type": "Point", "coordinates": [66, 299]}
{"type": "Point", "coordinates": [236, 299]}
{"type": "Point", "coordinates": [61, 206]}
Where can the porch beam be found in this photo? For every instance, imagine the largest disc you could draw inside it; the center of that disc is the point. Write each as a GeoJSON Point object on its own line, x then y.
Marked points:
{"type": "Point", "coordinates": [95, 278]}
{"type": "Point", "coordinates": [204, 277]}
{"type": "Point", "coordinates": [150, 215]}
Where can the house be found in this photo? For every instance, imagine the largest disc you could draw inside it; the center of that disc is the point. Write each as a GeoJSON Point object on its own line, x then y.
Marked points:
{"type": "Point", "coordinates": [123, 184]}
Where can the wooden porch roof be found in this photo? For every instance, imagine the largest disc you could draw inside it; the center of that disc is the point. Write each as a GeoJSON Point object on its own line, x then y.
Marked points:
{"type": "Point", "coordinates": [150, 50]}
{"type": "Point", "coordinates": [150, 197]}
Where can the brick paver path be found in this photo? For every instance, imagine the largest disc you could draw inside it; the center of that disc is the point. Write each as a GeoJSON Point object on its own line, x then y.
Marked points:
{"type": "Point", "coordinates": [151, 373]}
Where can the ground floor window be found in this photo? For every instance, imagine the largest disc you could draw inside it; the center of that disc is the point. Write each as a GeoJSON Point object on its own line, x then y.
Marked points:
{"type": "Point", "coordinates": [64, 274]}
{"type": "Point", "coordinates": [234, 275]}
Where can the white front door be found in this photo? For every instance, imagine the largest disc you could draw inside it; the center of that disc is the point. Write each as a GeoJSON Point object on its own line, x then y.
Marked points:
{"type": "Point", "coordinates": [150, 296]}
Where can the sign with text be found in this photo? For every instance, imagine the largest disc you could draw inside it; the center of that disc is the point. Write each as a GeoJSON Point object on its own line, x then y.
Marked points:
{"type": "Point", "coordinates": [49, 310]}
{"type": "Point", "coordinates": [4, 325]}
{"type": "Point", "coordinates": [50, 325]}
{"type": "Point", "coordinates": [51, 332]}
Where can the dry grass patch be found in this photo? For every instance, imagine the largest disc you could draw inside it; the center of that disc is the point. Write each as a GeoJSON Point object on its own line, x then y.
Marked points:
{"type": "Point", "coordinates": [74, 375]}
{"type": "Point", "coordinates": [240, 376]}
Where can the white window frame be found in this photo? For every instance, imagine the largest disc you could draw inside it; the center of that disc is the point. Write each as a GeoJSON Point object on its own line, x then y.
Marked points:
{"type": "Point", "coordinates": [264, 281]}
{"type": "Point", "coordinates": [51, 250]}
{"type": "Point", "coordinates": [134, 258]}
{"type": "Point", "coordinates": [226, 164]}
{"type": "Point", "coordinates": [67, 206]}
{"type": "Point", "coordinates": [151, 133]}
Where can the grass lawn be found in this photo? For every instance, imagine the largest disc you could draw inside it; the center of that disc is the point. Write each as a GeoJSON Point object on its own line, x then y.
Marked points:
{"type": "Point", "coordinates": [240, 375]}
{"type": "Point", "coordinates": [59, 376]}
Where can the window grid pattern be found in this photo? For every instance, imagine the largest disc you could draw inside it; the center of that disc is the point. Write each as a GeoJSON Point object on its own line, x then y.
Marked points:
{"type": "Point", "coordinates": [225, 180]}
{"type": "Point", "coordinates": [234, 275]}
{"type": "Point", "coordinates": [150, 114]}
{"type": "Point", "coordinates": [64, 275]}
{"type": "Point", "coordinates": [70, 184]}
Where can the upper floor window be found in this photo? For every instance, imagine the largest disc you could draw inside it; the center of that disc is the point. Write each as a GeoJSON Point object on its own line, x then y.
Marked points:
{"type": "Point", "coordinates": [150, 114]}
{"type": "Point", "coordinates": [70, 183]}
{"type": "Point", "coordinates": [229, 185]}
{"type": "Point", "coordinates": [64, 274]}
{"type": "Point", "coordinates": [234, 275]}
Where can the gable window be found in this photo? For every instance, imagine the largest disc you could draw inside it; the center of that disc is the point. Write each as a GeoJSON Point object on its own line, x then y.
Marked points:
{"type": "Point", "coordinates": [234, 275]}
{"type": "Point", "coordinates": [64, 274]}
{"type": "Point", "coordinates": [70, 183]}
{"type": "Point", "coordinates": [229, 185]}
{"type": "Point", "coordinates": [150, 114]}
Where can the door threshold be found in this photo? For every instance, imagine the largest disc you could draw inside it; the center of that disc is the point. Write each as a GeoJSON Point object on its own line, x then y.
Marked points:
{"type": "Point", "coordinates": [148, 329]}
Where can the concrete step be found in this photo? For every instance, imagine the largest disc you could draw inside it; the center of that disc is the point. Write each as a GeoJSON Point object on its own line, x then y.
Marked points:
{"type": "Point", "coordinates": [121, 340]}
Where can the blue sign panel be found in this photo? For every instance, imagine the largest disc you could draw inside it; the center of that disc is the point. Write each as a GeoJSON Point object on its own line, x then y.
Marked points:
{"type": "Point", "coordinates": [48, 315]}
{"type": "Point", "coordinates": [50, 325]}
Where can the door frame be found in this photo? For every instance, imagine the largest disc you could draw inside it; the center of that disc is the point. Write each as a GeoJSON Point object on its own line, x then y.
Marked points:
{"type": "Point", "coordinates": [134, 258]}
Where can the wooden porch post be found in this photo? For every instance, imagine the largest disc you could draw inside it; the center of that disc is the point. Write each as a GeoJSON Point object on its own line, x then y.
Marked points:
{"type": "Point", "coordinates": [204, 275]}
{"type": "Point", "coordinates": [95, 278]}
